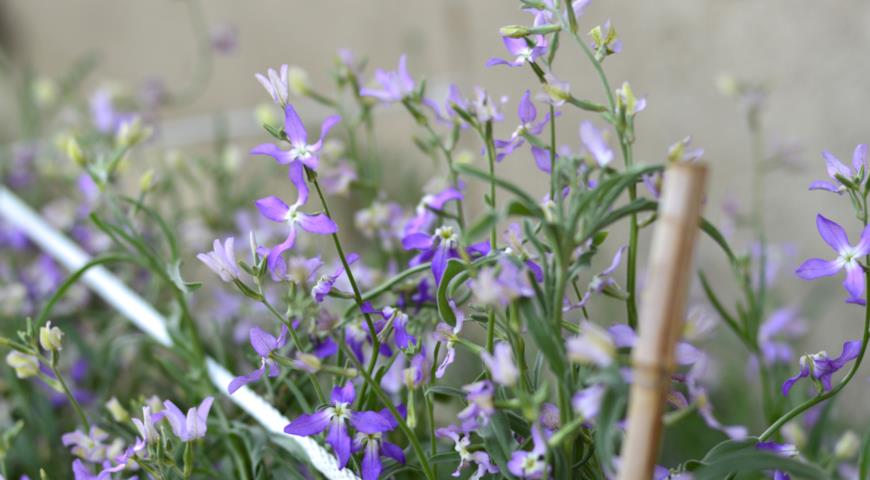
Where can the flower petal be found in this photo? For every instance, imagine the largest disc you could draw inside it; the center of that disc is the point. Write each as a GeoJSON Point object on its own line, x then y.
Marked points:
{"type": "Point", "coordinates": [273, 208]}
{"type": "Point", "coordinates": [340, 441]}
{"type": "Point", "coordinates": [293, 126]}
{"type": "Point", "coordinates": [370, 422]}
{"type": "Point", "coordinates": [297, 177]}
{"type": "Point", "coordinates": [859, 158]}
{"type": "Point", "coordinates": [526, 110]}
{"type": "Point", "coordinates": [832, 233]}
{"type": "Point", "coordinates": [306, 424]}
{"type": "Point", "coordinates": [272, 150]}
{"type": "Point", "coordinates": [262, 341]}
{"type": "Point", "coordinates": [823, 185]}
{"type": "Point", "coordinates": [238, 382]}
{"type": "Point", "coordinates": [417, 241]}
{"type": "Point", "coordinates": [371, 464]}
{"type": "Point", "coordinates": [345, 394]}
{"type": "Point", "coordinates": [854, 282]}
{"type": "Point", "coordinates": [817, 268]}
{"type": "Point", "coordinates": [319, 223]}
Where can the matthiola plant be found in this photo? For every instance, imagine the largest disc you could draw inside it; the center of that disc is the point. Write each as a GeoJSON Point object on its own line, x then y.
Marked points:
{"type": "Point", "coordinates": [465, 327]}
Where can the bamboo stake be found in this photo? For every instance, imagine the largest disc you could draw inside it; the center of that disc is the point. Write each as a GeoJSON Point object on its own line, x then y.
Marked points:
{"type": "Point", "coordinates": [662, 314]}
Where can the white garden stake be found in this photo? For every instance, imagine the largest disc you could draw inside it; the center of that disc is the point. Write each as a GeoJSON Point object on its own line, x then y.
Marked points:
{"type": "Point", "coordinates": [144, 316]}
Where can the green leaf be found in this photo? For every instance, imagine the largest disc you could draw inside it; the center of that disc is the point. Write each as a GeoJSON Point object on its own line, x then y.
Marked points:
{"type": "Point", "coordinates": [526, 199]}
{"type": "Point", "coordinates": [274, 131]}
{"type": "Point", "coordinates": [498, 441]}
{"type": "Point", "coordinates": [717, 237]}
{"type": "Point", "coordinates": [519, 209]}
{"type": "Point", "coordinates": [173, 272]}
{"type": "Point", "coordinates": [549, 342]}
{"type": "Point", "coordinates": [444, 390]}
{"type": "Point", "coordinates": [751, 459]}
{"type": "Point", "coordinates": [454, 267]}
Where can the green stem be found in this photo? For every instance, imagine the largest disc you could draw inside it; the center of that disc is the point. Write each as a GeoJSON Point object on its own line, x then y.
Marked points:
{"type": "Point", "coordinates": [773, 428]}
{"type": "Point", "coordinates": [490, 155]}
{"type": "Point", "coordinates": [376, 343]}
{"type": "Point", "coordinates": [66, 391]}
{"type": "Point", "coordinates": [403, 426]}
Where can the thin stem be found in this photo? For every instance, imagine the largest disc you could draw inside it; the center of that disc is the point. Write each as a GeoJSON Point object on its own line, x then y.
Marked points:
{"type": "Point", "coordinates": [66, 391]}
{"type": "Point", "coordinates": [490, 155]}
{"type": "Point", "coordinates": [385, 399]}
{"type": "Point", "coordinates": [376, 343]}
{"type": "Point", "coordinates": [296, 343]}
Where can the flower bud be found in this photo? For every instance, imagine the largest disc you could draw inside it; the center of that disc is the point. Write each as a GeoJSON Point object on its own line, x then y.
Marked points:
{"type": "Point", "coordinates": [132, 132]}
{"type": "Point", "coordinates": [118, 412]}
{"type": "Point", "coordinates": [308, 362]}
{"type": "Point", "coordinates": [727, 85]}
{"type": "Point", "coordinates": [848, 445]}
{"type": "Point", "coordinates": [23, 364]}
{"type": "Point", "coordinates": [146, 181]}
{"type": "Point", "coordinates": [514, 31]}
{"type": "Point", "coordinates": [557, 94]}
{"type": "Point", "coordinates": [50, 337]}
{"type": "Point", "coordinates": [297, 80]}
{"type": "Point", "coordinates": [74, 151]}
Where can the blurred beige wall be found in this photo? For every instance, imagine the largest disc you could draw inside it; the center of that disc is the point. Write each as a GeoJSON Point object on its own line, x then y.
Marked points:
{"type": "Point", "coordinates": [812, 54]}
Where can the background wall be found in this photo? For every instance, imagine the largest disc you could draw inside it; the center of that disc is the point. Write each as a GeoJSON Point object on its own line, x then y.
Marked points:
{"type": "Point", "coordinates": [812, 55]}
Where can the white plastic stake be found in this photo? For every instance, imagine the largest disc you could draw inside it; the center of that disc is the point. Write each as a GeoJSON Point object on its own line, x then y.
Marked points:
{"type": "Point", "coordinates": [128, 303]}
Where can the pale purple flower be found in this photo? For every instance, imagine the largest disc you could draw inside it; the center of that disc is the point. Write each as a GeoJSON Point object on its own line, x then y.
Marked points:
{"type": "Point", "coordinates": [444, 333]}
{"type": "Point", "coordinates": [531, 464]}
{"type": "Point", "coordinates": [222, 260]}
{"type": "Point", "coordinates": [545, 16]}
{"type": "Point", "coordinates": [424, 216]}
{"type": "Point", "coordinates": [783, 323]}
{"type": "Point", "coordinates": [327, 281]}
{"type": "Point", "coordinates": [337, 178]}
{"type": "Point", "coordinates": [521, 51]}
{"type": "Point", "coordinates": [103, 113]}
{"type": "Point", "coordinates": [501, 364]}
{"type": "Point", "coordinates": [835, 168]}
{"type": "Point", "coordinates": [461, 438]}
{"type": "Point", "coordinates": [395, 85]}
{"type": "Point", "coordinates": [90, 447]}
{"type": "Point", "coordinates": [820, 367]}
{"type": "Point", "coordinates": [276, 210]}
{"type": "Point", "coordinates": [848, 258]}
{"type": "Point", "coordinates": [375, 447]}
{"type": "Point", "coordinates": [593, 345]}
{"type": "Point", "coordinates": [604, 40]}
{"type": "Point", "coordinates": [276, 84]}
{"type": "Point", "coordinates": [504, 283]}
{"type": "Point", "coordinates": [480, 406]}
{"type": "Point", "coordinates": [301, 153]}
{"type": "Point", "coordinates": [587, 402]}
{"type": "Point", "coordinates": [527, 113]}
{"type": "Point", "coordinates": [147, 431]}
{"type": "Point", "coordinates": [334, 418]}
{"type": "Point", "coordinates": [482, 107]}
{"type": "Point", "coordinates": [264, 344]}
{"type": "Point", "coordinates": [194, 425]}
{"type": "Point", "coordinates": [593, 140]}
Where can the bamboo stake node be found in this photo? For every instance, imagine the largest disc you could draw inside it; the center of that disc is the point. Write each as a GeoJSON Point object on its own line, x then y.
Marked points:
{"type": "Point", "coordinates": [662, 314]}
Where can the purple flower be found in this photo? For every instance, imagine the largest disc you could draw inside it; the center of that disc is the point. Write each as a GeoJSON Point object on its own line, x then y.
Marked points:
{"type": "Point", "coordinates": [462, 440]}
{"type": "Point", "coordinates": [395, 86]}
{"type": "Point", "coordinates": [194, 425]}
{"type": "Point", "coordinates": [438, 248]}
{"type": "Point", "coordinates": [835, 168]}
{"type": "Point", "coordinates": [527, 114]}
{"type": "Point", "coordinates": [264, 344]}
{"type": "Point", "coordinates": [501, 364]}
{"type": "Point", "coordinates": [593, 345]}
{"type": "Point", "coordinates": [301, 153]}
{"type": "Point", "coordinates": [375, 447]}
{"type": "Point", "coordinates": [276, 84]}
{"type": "Point", "coordinates": [335, 418]}
{"type": "Point", "coordinates": [531, 464]}
{"type": "Point", "coordinates": [784, 322]}
{"type": "Point", "coordinates": [103, 113]}
{"type": "Point", "coordinates": [587, 402]}
{"type": "Point", "coordinates": [425, 217]}
{"type": "Point", "coordinates": [482, 107]}
{"type": "Point", "coordinates": [276, 210]}
{"type": "Point", "coordinates": [90, 447]}
{"type": "Point", "coordinates": [403, 339]}
{"type": "Point", "coordinates": [545, 15]}
{"type": "Point", "coordinates": [480, 403]}
{"type": "Point", "coordinates": [222, 260]}
{"type": "Point", "coordinates": [847, 258]}
{"type": "Point", "coordinates": [444, 333]}
{"type": "Point", "coordinates": [326, 282]}
{"type": "Point", "coordinates": [521, 50]}
{"type": "Point", "coordinates": [594, 142]}
{"type": "Point", "coordinates": [820, 367]}
{"type": "Point", "coordinates": [502, 288]}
